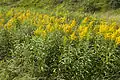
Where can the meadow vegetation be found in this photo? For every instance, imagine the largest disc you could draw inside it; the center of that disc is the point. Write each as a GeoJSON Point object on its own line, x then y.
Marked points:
{"type": "Point", "coordinates": [39, 44]}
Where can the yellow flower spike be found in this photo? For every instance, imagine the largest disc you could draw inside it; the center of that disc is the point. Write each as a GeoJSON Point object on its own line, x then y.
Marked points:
{"type": "Point", "coordinates": [62, 20]}
{"type": "Point", "coordinates": [22, 17]}
{"type": "Point", "coordinates": [43, 33]}
{"type": "Point", "coordinates": [118, 32]}
{"type": "Point", "coordinates": [48, 28]}
{"type": "Point", "coordinates": [67, 29]}
{"type": "Point", "coordinates": [91, 24]}
{"type": "Point", "coordinates": [113, 36]}
{"type": "Point", "coordinates": [107, 36]}
{"type": "Point", "coordinates": [112, 28]}
{"type": "Point", "coordinates": [84, 32]}
{"type": "Point", "coordinates": [8, 25]}
{"type": "Point", "coordinates": [85, 20]}
{"type": "Point", "coordinates": [117, 40]}
{"type": "Point", "coordinates": [40, 16]}
{"type": "Point", "coordinates": [38, 31]}
{"type": "Point", "coordinates": [27, 13]}
{"type": "Point", "coordinates": [73, 36]}
{"type": "Point", "coordinates": [80, 29]}
{"type": "Point", "coordinates": [43, 21]}
{"type": "Point", "coordinates": [96, 29]}
{"type": "Point", "coordinates": [60, 27]}
{"type": "Point", "coordinates": [103, 28]}
{"type": "Point", "coordinates": [73, 23]}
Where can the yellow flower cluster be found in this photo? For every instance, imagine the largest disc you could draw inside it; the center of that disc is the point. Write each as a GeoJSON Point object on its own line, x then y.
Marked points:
{"type": "Point", "coordinates": [46, 24]}
{"type": "Point", "coordinates": [9, 24]}
{"type": "Point", "coordinates": [110, 32]}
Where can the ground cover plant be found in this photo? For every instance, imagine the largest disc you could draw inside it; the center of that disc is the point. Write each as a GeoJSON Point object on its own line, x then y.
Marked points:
{"type": "Point", "coordinates": [38, 46]}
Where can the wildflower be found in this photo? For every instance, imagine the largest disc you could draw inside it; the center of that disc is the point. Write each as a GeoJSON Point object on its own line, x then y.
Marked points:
{"type": "Point", "coordinates": [91, 24]}
{"type": "Point", "coordinates": [28, 13]}
{"type": "Point", "coordinates": [48, 28]}
{"type": "Point", "coordinates": [73, 23]}
{"type": "Point", "coordinates": [96, 29]}
{"type": "Point", "coordinates": [85, 20]}
{"type": "Point", "coordinates": [80, 29]}
{"type": "Point", "coordinates": [117, 32]}
{"type": "Point", "coordinates": [43, 33]}
{"type": "Point", "coordinates": [113, 36]}
{"type": "Point", "coordinates": [62, 19]}
{"type": "Point", "coordinates": [73, 36]}
{"type": "Point", "coordinates": [103, 28]}
{"type": "Point", "coordinates": [8, 25]}
{"type": "Point", "coordinates": [67, 28]}
{"type": "Point", "coordinates": [111, 29]}
{"type": "Point", "coordinates": [117, 40]}
{"type": "Point", "coordinates": [84, 32]}
{"type": "Point", "coordinates": [38, 31]}
{"type": "Point", "coordinates": [107, 35]}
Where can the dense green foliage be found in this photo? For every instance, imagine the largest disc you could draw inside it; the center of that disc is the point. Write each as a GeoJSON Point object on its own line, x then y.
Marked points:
{"type": "Point", "coordinates": [32, 58]}
{"type": "Point", "coordinates": [71, 5]}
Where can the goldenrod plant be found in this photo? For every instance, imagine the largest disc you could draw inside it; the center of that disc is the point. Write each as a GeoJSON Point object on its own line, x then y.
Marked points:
{"type": "Point", "coordinates": [39, 46]}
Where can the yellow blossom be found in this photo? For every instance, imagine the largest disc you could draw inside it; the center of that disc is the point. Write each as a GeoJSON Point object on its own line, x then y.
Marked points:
{"type": "Point", "coordinates": [113, 36]}
{"type": "Point", "coordinates": [67, 28]}
{"type": "Point", "coordinates": [107, 35]}
{"type": "Point", "coordinates": [117, 40]}
{"type": "Point", "coordinates": [91, 24]}
{"type": "Point", "coordinates": [73, 36]}
{"type": "Point", "coordinates": [84, 32]}
{"type": "Point", "coordinates": [111, 29]}
{"type": "Point", "coordinates": [103, 28]}
{"type": "Point", "coordinates": [85, 20]}
{"type": "Point", "coordinates": [8, 25]}
{"type": "Point", "coordinates": [48, 28]}
{"type": "Point", "coordinates": [38, 31]}
{"type": "Point", "coordinates": [28, 13]}
{"type": "Point", "coordinates": [73, 23]}
{"type": "Point", "coordinates": [43, 33]}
